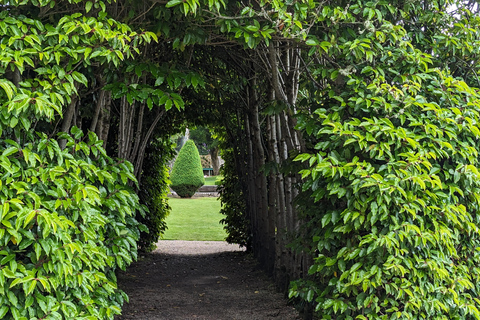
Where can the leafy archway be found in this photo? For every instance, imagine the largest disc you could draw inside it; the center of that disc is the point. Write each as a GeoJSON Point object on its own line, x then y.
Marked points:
{"type": "Point", "coordinates": [349, 128]}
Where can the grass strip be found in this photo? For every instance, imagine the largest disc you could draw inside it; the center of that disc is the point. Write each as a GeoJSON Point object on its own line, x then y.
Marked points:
{"type": "Point", "coordinates": [195, 219]}
{"type": "Point", "coordinates": [210, 181]}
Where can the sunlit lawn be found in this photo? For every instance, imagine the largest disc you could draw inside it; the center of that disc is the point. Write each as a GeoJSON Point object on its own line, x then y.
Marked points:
{"type": "Point", "coordinates": [210, 181]}
{"type": "Point", "coordinates": [194, 219]}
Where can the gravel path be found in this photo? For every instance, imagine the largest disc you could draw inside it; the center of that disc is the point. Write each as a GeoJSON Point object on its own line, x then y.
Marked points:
{"type": "Point", "coordinates": [200, 280]}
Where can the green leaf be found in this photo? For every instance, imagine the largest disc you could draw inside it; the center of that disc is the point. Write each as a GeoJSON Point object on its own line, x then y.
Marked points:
{"type": "Point", "coordinates": [168, 104]}
{"type": "Point", "coordinates": [79, 77]}
{"type": "Point", "coordinates": [13, 122]}
{"type": "Point", "coordinates": [29, 217]}
{"type": "Point", "coordinates": [31, 286]}
{"type": "Point", "coordinates": [302, 157]}
{"type": "Point", "coordinates": [7, 87]}
{"type": "Point", "coordinates": [326, 219]}
{"type": "Point", "coordinates": [12, 298]}
{"type": "Point", "coordinates": [16, 281]}
{"type": "Point", "coordinates": [9, 151]}
{"type": "Point", "coordinates": [3, 311]}
{"type": "Point", "coordinates": [29, 301]}
{"type": "Point", "coordinates": [8, 273]}
{"type": "Point", "coordinates": [310, 295]}
{"type": "Point", "coordinates": [355, 267]}
{"type": "Point", "coordinates": [88, 6]}
{"type": "Point", "coordinates": [194, 80]}
{"type": "Point", "coordinates": [173, 3]}
{"type": "Point", "coordinates": [159, 80]}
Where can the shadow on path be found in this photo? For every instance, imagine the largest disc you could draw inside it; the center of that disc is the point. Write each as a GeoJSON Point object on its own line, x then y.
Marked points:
{"type": "Point", "coordinates": [201, 280]}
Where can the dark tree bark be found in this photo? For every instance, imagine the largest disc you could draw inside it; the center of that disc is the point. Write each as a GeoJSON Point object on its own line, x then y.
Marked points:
{"type": "Point", "coordinates": [103, 126]}
{"type": "Point", "coordinates": [143, 146]}
{"type": "Point", "coordinates": [67, 119]}
{"type": "Point", "coordinates": [98, 107]}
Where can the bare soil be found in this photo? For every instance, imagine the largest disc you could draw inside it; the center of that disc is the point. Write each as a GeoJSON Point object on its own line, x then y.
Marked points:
{"type": "Point", "coordinates": [201, 280]}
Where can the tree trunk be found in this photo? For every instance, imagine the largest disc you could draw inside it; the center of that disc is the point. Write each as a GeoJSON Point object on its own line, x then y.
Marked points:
{"type": "Point", "coordinates": [260, 187]}
{"type": "Point", "coordinates": [126, 128]}
{"type": "Point", "coordinates": [100, 104]}
{"type": "Point", "coordinates": [103, 126]}
{"type": "Point", "coordinates": [282, 222]}
{"type": "Point", "coordinates": [215, 161]}
{"type": "Point", "coordinates": [122, 127]}
{"type": "Point", "coordinates": [138, 135]}
{"type": "Point", "coordinates": [143, 146]}
{"type": "Point", "coordinates": [272, 194]}
{"type": "Point", "coordinates": [67, 119]}
{"type": "Point", "coordinates": [250, 191]}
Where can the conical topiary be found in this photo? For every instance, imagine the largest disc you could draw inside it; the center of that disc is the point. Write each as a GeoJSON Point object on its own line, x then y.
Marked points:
{"type": "Point", "coordinates": [187, 172]}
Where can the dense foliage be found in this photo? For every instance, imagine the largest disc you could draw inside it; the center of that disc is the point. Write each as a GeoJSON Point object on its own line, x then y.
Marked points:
{"type": "Point", "coordinates": [377, 96]}
{"type": "Point", "coordinates": [187, 171]}
{"type": "Point", "coordinates": [67, 217]}
{"type": "Point", "coordinates": [67, 225]}
{"type": "Point", "coordinates": [393, 178]}
{"type": "Point", "coordinates": [233, 201]}
{"type": "Point", "coordinates": [153, 191]}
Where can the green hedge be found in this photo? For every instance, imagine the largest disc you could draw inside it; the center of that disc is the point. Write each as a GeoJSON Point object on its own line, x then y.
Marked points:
{"type": "Point", "coordinates": [394, 185]}
{"type": "Point", "coordinates": [154, 191]}
{"type": "Point", "coordinates": [236, 223]}
{"type": "Point", "coordinates": [67, 224]}
{"type": "Point", "coordinates": [187, 172]}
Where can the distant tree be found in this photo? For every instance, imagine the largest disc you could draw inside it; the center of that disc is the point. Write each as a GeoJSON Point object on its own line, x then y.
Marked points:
{"type": "Point", "coordinates": [207, 144]}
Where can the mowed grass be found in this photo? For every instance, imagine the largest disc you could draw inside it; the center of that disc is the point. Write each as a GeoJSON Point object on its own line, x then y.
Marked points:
{"type": "Point", "coordinates": [194, 219]}
{"type": "Point", "coordinates": [210, 181]}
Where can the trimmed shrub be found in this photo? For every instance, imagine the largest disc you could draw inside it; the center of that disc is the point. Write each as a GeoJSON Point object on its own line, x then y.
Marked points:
{"type": "Point", "coordinates": [187, 172]}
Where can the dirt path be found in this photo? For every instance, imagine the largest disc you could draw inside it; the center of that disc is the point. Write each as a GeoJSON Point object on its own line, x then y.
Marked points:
{"type": "Point", "coordinates": [201, 280]}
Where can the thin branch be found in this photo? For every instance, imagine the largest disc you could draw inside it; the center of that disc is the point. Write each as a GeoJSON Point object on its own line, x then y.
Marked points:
{"type": "Point", "coordinates": [145, 12]}
{"type": "Point", "coordinates": [310, 74]}
{"type": "Point", "coordinates": [275, 74]}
